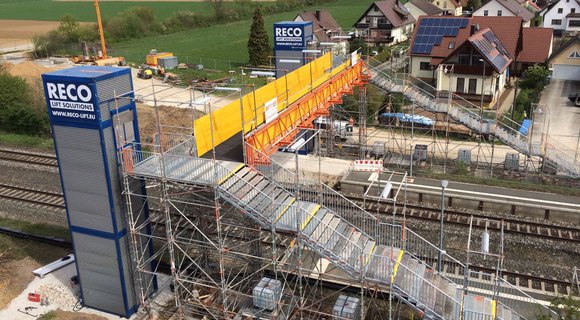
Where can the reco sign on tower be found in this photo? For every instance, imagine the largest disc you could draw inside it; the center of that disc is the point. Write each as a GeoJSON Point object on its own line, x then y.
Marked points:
{"type": "Point", "coordinates": [290, 34]}
{"type": "Point", "coordinates": [76, 99]}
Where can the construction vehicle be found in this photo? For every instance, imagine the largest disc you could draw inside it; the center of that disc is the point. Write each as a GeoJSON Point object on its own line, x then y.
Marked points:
{"type": "Point", "coordinates": [145, 73]}
{"type": "Point", "coordinates": [101, 58]}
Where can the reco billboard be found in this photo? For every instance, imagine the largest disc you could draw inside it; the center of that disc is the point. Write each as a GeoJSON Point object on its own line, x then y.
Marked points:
{"type": "Point", "coordinates": [292, 35]}
{"type": "Point", "coordinates": [70, 101]}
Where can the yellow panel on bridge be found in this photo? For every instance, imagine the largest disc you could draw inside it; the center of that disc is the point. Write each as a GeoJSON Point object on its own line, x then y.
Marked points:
{"type": "Point", "coordinates": [226, 121]}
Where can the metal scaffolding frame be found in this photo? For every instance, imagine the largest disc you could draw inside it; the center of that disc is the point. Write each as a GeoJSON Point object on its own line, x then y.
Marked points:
{"type": "Point", "coordinates": [208, 253]}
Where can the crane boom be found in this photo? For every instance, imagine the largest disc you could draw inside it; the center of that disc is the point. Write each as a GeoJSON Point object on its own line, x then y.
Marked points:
{"type": "Point", "coordinates": [101, 34]}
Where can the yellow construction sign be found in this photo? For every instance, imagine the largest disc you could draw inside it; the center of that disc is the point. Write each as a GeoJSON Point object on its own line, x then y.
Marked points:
{"type": "Point", "coordinates": [227, 121]}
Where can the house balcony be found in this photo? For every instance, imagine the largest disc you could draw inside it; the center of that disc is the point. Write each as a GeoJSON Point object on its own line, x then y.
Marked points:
{"type": "Point", "coordinates": [379, 37]}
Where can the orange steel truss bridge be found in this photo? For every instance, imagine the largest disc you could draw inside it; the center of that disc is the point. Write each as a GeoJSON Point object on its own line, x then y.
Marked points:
{"type": "Point", "coordinates": [263, 141]}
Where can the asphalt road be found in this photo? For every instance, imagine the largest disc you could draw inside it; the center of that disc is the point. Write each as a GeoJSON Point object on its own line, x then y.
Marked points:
{"type": "Point", "coordinates": [564, 117]}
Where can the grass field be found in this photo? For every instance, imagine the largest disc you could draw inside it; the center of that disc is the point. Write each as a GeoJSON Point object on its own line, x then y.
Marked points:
{"type": "Point", "coordinates": [225, 42]}
{"type": "Point", "coordinates": [344, 11]}
{"type": "Point", "coordinates": [85, 10]}
{"type": "Point", "coordinates": [21, 140]}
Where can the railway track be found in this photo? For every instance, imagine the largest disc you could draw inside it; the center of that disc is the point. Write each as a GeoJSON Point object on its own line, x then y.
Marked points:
{"type": "Point", "coordinates": [461, 218]}
{"type": "Point", "coordinates": [549, 286]}
{"type": "Point", "coordinates": [32, 196]}
{"type": "Point", "coordinates": [27, 157]}
{"type": "Point", "coordinates": [454, 217]}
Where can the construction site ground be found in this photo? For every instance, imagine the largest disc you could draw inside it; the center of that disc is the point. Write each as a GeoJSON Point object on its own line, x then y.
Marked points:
{"type": "Point", "coordinates": [18, 259]}
{"type": "Point", "coordinates": [56, 286]}
{"type": "Point", "coordinates": [17, 33]}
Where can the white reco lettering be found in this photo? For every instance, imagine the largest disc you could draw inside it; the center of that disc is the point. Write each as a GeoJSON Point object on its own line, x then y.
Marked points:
{"type": "Point", "coordinates": [288, 32]}
{"type": "Point", "coordinates": [70, 92]}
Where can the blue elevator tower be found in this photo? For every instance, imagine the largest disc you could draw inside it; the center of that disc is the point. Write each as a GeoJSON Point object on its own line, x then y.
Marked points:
{"type": "Point", "coordinates": [86, 120]}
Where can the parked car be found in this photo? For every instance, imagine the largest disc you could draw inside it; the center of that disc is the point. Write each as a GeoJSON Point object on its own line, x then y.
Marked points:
{"type": "Point", "coordinates": [575, 99]}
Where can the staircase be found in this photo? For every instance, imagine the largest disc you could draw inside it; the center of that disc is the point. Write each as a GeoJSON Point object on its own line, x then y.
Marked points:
{"type": "Point", "coordinates": [424, 95]}
{"type": "Point", "coordinates": [331, 226]}
{"type": "Point", "coordinates": [352, 249]}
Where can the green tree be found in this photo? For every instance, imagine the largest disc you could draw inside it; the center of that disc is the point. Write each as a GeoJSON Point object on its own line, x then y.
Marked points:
{"type": "Point", "coordinates": [473, 4]}
{"type": "Point", "coordinates": [535, 77]}
{"type": "Point", "coordinates": [258, 42]}
{"type": "Point", "coordinates": [218, 8]}
{"type": "Point", "coordinates": [19, 111]}
{"type": "Point", "coordinates": [69, 26]}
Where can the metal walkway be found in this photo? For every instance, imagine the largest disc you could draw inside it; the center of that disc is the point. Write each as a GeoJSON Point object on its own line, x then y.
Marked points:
{"type": "Point", "coordinates": [552, 152]}
{"type": "Point", "coordinates": [352, 239]}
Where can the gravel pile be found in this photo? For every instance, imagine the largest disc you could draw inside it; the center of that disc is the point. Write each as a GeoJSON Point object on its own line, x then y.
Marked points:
{"type": "Point", "coordinates": [57, 294]}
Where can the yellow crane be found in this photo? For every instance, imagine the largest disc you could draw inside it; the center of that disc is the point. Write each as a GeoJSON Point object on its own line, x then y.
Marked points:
{"type": "Point", "coordinates": [103, 59]}
{"type": "Point", "coordinates": [101, 33]}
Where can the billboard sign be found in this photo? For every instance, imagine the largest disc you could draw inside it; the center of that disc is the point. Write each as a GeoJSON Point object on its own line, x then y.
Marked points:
{"type": "Point", "coordinates": [292, 35]}
{"type": "Point", "coordinates": [70, 101]}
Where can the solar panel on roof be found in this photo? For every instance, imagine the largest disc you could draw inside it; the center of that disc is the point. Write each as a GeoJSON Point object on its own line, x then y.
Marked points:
{"type": "Point", "coordinates": [464, 23]}
{"type": "Point", "coordinates": [499, 61]}
{"type": "Point", "coordinates": [490, 36]}
{"type": "Point", "coordinates": [427, 22]}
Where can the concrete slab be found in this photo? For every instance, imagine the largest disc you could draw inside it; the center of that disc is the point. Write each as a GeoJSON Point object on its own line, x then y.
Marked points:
{"type": "Point", "coordinates": [60, 294]}
{"type": "Point", "coordinates": [562, 114]}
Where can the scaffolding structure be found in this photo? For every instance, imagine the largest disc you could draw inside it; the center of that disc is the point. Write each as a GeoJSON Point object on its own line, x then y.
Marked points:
{"type": "Point", "coordinates": [194, 240]}
{"type": "Point", "coordinates": [464, 135]}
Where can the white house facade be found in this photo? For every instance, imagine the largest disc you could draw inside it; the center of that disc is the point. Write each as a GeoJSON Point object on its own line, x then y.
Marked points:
{"type": "Point", "coordinates": [505, 8]}
{"type": "Point", "coordinates": [563, 15]}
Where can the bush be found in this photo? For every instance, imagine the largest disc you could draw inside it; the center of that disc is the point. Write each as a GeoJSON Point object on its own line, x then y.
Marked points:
{"type": "Point", "coordinates": [184, 20]}
{"type": "Point", "coordinates": [535, 77]}
{"type": "Point", "coordinates": [65, 38]}
{"type": "Point", "coordinates": [20, 110]}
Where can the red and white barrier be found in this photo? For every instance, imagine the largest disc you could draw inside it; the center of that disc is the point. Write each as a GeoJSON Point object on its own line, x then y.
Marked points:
{"type": "Point", "coordinates": [368, 165]}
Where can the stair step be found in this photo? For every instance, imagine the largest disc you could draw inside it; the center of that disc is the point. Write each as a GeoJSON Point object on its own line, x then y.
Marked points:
{"type": "Point", "coordinates": [399, 271]}
{"type": "Point", "coordinates": [308, 211]}
{"type": "Point", "coordinates": [440, 296]}
{"type": "Point", "coordinates": [449, 307]}
{"type": "Point", "coordinates": [369, 250]}
{"type": "Point", "coordinates": [269, 193]}
{"type": "Point", "coordinates": [298, 215]}
{"type": "Point", "coordinates": [243, 182]}
{"type": "Point", "coordinates": [335, 229]}
{"type": "Point", "coordinates": [258, 190]}
{"type": "Point", "coordinates": [251, 188]}
{"type": "Point", "coordinates": [417, 283]}
{"type": "Point", "coordinates": [229, 181]}
{"type": "Point", "coordinates": [380, 265]}
{"type": "Point", "coordinates": [274, 199]}
{"type": "Point", "coordinates": [355, 258]}
{"type": "Point", "coordinates": [316, 221]}
{"type": "Point", "coordinates": [282, 204]}
{"type": "Point", "coordinates": [426, 289]}
{"type": "Point", "coordinates": [342, 237]}
{"type": "Point", "coordinates": [405, 273]}
{"type": "Point", "coordinates": [348, 249]}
